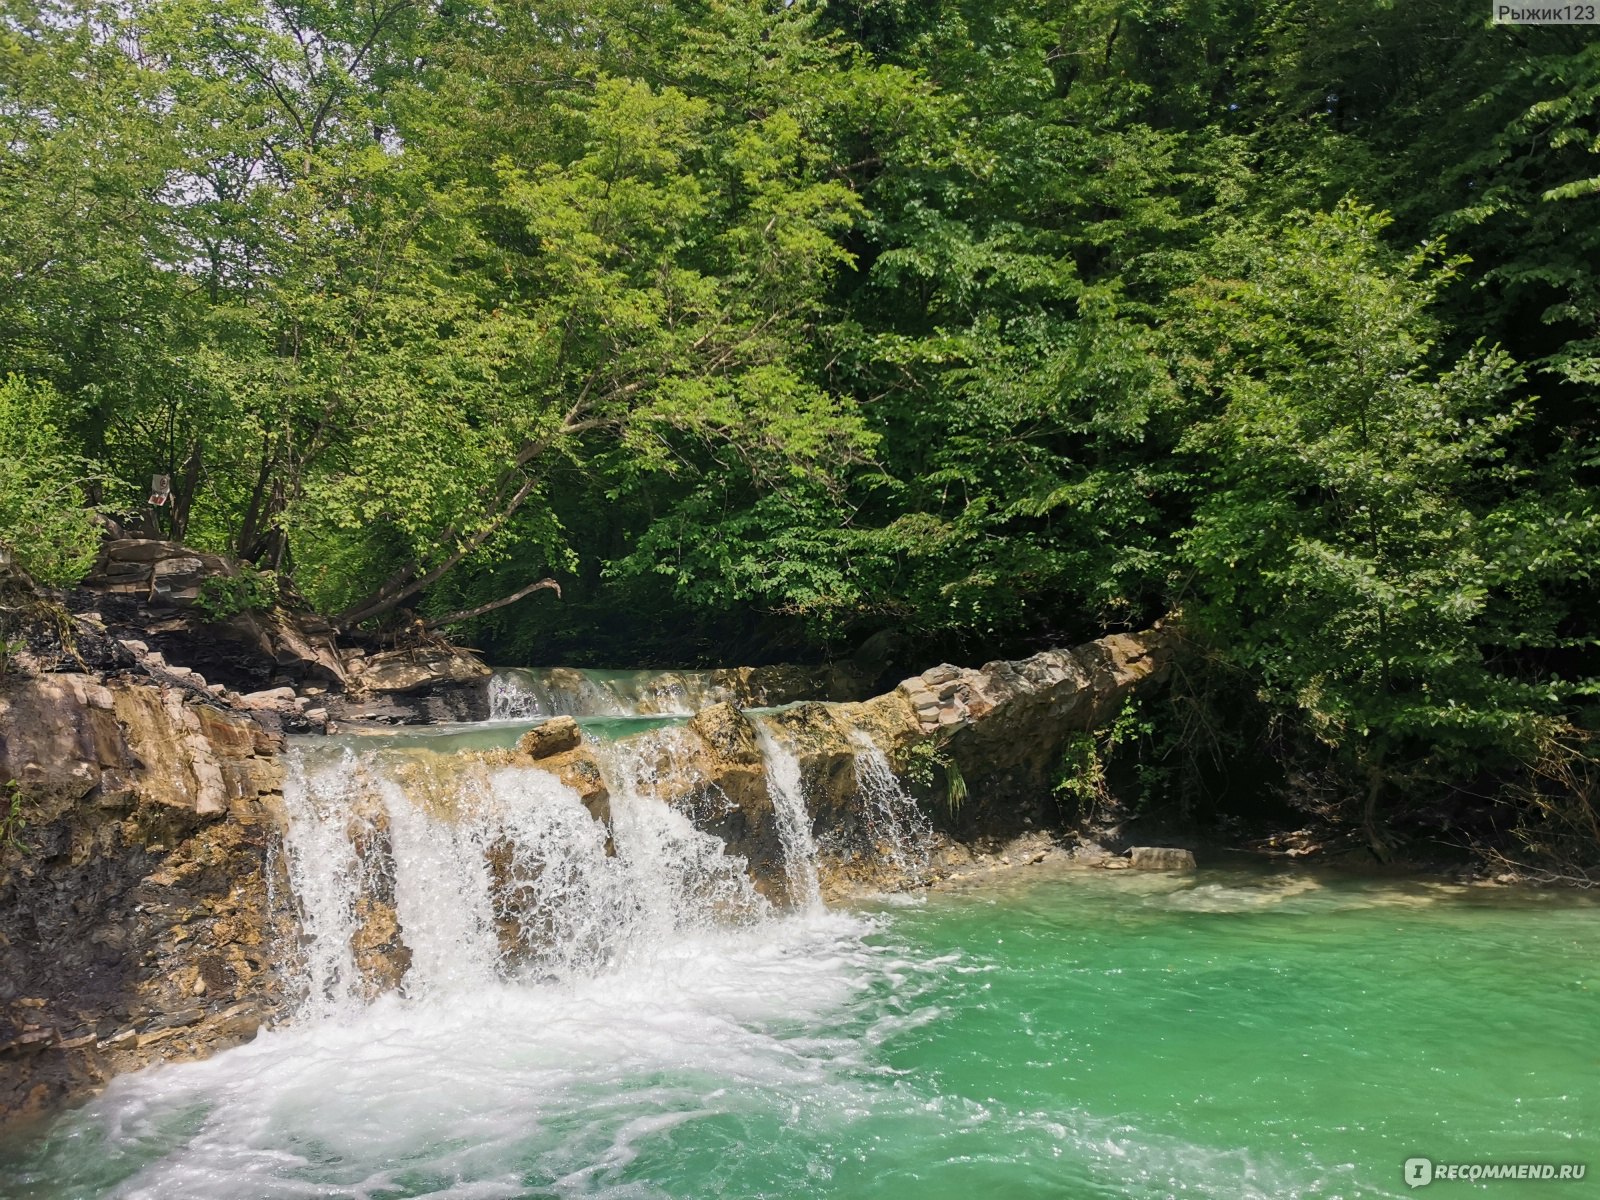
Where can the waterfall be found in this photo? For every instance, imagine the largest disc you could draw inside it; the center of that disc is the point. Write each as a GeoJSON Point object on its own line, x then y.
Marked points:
{"type": "Point", "coordinates": [522, 693]}
{"type": "Point", "coordinates": [436, 870]}
{"type": "Point", "coordinates": [682, 877]}
{"type": "Point", "coordinates": [327, 875]}
{"type": "Point", "coordinates": [461, 874]}
{"type": "Point", "coordinates": [900, 832]}
{"type": "Point", "coordinates": [787, 791]}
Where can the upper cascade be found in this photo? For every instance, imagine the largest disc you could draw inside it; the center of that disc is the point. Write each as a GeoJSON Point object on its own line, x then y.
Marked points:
{"type": "Point", "coordinates": [524, 693]}
{"type": "Point", "coordinates": [528, 693]}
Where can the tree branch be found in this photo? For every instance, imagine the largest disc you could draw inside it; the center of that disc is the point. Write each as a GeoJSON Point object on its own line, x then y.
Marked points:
{"type": "Point", "coordinates": [466, 614]}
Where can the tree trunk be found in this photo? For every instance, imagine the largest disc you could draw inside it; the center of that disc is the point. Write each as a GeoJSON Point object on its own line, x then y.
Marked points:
{"type": "Point", "coordinates": [1377, 841]}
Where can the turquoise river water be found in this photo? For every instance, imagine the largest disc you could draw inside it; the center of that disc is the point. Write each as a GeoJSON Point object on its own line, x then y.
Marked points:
{"type": "Point", "coordinates": [1047, 1034]}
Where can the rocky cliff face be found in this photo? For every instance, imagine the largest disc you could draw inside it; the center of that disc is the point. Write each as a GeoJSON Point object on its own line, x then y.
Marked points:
{"type": "Point", "coordinates": [135, 835]}
{"type": "Point", "coordinates": [145, 590]}
{"type": "Point", "coordinates": [1002, 727]}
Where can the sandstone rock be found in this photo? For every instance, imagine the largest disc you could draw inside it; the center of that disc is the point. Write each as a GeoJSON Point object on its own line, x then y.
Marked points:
{"type": "Point", "coordinates": [578, 769]}
{"type": "Point", "coordinates": [1005, 724]}
{"type": "Point", "coordinates": [1160, 858]}
{"type": "Point", "coordinates": [410, 687]}
{"type": "Point", "coordinates": [147, 823]}
{"type": "Point", "coordinates": [411, 671]}
{"type": "Point", "coordinates": [268, 698]}
{"type": "Point", "coordinates": [555, 736]}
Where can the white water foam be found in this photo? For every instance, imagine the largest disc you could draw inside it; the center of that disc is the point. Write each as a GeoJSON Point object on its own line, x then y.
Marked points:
{"type": "Point", "coordinates": [787, 790]}
{"type": "Point", "coordinates": [565, 1000]}
{"type": "Point", "coordinates": [483, 1091]}
{"type": "Point", "coordinates": [327, 878]}
{"type": "Point", "coordinates": [524, 693]}
{"type": "Point", "coordinates": [900, 832]}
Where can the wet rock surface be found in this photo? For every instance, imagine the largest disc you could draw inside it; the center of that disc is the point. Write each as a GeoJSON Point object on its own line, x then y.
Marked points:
{"type": "Point", "coordinates": [419, 686]}
{"type": "Point", "coordinates": [1160, 858]}
{"type": "Point", "coordinates": [555, 736]}
{"type": "Point", "coordinates": [1005, 723]}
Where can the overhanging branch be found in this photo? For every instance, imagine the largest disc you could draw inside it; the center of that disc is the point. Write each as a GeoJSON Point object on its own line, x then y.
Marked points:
{"type": "Point", "coordinates": [466, 614]}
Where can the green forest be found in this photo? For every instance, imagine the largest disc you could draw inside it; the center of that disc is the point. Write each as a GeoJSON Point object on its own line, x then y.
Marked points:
{"type": "Point", "coordinates": [773, 330]}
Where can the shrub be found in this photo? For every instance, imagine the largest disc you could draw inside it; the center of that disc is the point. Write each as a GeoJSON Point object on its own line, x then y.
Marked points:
{"type": "Point", "coordinates": [224, 596]}
{"type": "Point", "coordinates": [45, 523]}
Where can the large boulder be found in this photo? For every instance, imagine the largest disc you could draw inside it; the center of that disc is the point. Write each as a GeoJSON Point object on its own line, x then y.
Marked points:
{"type": "Point", "coordinates": [415, 686]}
{"type": "Point", "coordinates": [555, 736]}
{"type": "Point", "coordinates": [1160, 858]}
{"type": "Point", "coordinates": [1004, 725]}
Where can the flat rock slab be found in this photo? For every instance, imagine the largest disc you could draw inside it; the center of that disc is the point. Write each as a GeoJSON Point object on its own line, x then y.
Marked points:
{"type": "Point", "coordinates": [1160, 858]}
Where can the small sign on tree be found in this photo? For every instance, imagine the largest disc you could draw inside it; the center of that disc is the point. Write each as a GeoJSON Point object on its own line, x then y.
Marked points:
{"type": "Point", "coordinates": [160, 490]}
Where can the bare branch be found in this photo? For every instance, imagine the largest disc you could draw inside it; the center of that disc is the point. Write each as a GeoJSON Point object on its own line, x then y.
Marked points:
{"type": "Point", "coordinates": [466, 614]}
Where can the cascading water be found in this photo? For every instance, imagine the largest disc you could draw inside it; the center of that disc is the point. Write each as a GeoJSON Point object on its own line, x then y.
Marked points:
{"type": "Point", "coordinates": [497, 874]}
{"type": "Point", "coordinates": [680, 876]}
{"type": "Point", "coordinates": [899, 831]}
{"type": "Point", "coordinates": [787, 790]}
{"type": "Point", "coordinates": [522, 693]}
{"type": "Point", "coordinates": [328, 877]}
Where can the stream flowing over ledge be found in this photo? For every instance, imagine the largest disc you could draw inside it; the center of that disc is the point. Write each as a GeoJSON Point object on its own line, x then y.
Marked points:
{"type": "Point", "coordinates": [161, 904]}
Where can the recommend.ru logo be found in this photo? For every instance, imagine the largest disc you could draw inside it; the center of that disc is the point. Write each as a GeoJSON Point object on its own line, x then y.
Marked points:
{"type": "Point", "coordinates": [1419, 1172]}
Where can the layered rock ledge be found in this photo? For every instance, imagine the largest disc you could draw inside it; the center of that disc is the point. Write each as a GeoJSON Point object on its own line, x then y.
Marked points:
{"type": "Point", "coordinates": [1000, 729]}
{"type": "Point", "coordinates": [135, 923]}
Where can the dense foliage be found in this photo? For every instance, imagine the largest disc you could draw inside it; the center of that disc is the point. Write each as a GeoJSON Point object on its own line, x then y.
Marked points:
{"type": "Point", "coordinates": [769, 327]}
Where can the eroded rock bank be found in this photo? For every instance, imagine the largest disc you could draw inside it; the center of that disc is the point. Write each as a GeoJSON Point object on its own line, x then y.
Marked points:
{"type": "Point", "coordinates": [1000, 729]}
{"type": "Point", "coordinates": [136, 923]}
{"type": "Point", "coordinates": [199, 618]}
